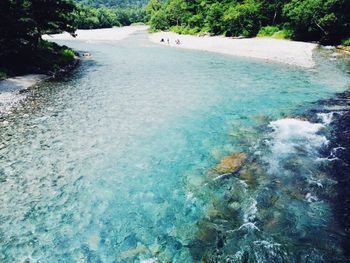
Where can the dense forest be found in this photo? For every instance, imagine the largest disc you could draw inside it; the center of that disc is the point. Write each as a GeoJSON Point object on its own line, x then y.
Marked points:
{"type": "Point", "coordinates": [87, 17]}
{"type": "Point", "coordinates": [327, 21]}
{"type": "Point", "coordinates": [113, 3]}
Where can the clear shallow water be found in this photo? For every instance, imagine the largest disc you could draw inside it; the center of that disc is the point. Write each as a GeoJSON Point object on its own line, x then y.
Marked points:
{"type": "Point", "coordinates": [111, 164]}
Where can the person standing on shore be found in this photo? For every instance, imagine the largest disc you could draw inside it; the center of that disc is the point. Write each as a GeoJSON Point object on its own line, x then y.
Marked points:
{"type": "Point", "coordinates": [168, 41]}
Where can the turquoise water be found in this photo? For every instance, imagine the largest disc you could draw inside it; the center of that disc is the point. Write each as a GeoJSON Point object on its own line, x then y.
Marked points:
{"type": "Point", "coordinates": [111, 163]}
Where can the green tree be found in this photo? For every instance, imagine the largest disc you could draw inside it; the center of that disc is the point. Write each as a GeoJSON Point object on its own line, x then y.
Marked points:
{"type": "Point", "coordinates": [214, 18]}
{"type": "Point", "coordinates": [243, 19]}
{"type": "Point", "coordinates": [106, 17]}
{"type": "Point", "coordinates": [159, 20]}
{"type": "Point", "coordinates": [16, 26]}
{"type": "Point", "coordinates": [175, 11]}
{"type": "Point", "coordinates": [272, 11]}
{"type": "Point", "coordinates": [52, 16]}
{"type": "Point", "coordinates": [153, 6]}
{"type": "Point", "coordinates": [325, 20]}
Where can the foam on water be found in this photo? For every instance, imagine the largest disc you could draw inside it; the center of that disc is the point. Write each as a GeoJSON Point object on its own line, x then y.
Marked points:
{"type": "Point", "coordinates": [288, 132]}
{"type": "Point", "coordinates": [326, 117]}
{"type": "Point", "coordinates": [293, 137]}
{"type": "Point", "coordinates": [250, 210]}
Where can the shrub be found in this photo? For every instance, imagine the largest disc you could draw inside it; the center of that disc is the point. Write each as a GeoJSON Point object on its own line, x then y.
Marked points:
{"type": "Point", "coordinates": [68, 53]}
{"type": "Point", "coordinates": [159, 21]}
{"type": "Point", "coordinates": [346, 42]}
{"type": "Point", "coordinates": [3, 75]}
{"type": "Point", "coordinates": [268, 31]}
{"type": "Point", "coordinates": [176, 29]}
{"type": "Point", "coordinates": [185, 30]}
{"type": "Point", "coordinates": [276, 32]}
{"type": "Point", "coordinates": [44, 45]}
{"type": "Point", "coordinates": [65, 56]}
{"type": "Point", "coordinates": [283, 34]}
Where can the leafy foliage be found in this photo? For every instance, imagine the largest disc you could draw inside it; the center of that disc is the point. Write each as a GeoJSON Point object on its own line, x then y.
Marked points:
{"type": "Point", "coordinates": [276, 32]}
{"type": "Point", "coordinates": [89, 17]}
{"type": "Point", "coordinates": [113, 3]}
{"type": "Point", "coordinates": [268, 31]}
{"type": "Point", "coordinates": [327, 21]}
{"type": "Point", "coordinates": [284, 34]}
{"type": "Point", "coordinates": [159, 19]}
{"type": "Point", "coordinates": [22, 24]}
{"type": "Point", "coordinates": [346, 42]}
{"type": "Point", "coordinates": [243, 19]}
{"type": "Point", "coordinates": [3, 74]}
{"type": "Point", "coordinates": [319, 19]}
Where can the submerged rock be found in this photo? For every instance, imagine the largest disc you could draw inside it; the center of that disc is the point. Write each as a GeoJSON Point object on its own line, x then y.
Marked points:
{"type": "Point", "coordinates": [221, 213]}
{"type": "Point", "coordinates": [231, 164]}
{"type": "Point", "coordinates": [294, 194]}
{"type": "Point", "coordinates": [133, 252]}
{"type": "Point", "coordinates": [155, 249]}
{"type": "Point", "coordinates": [93, 242]}
{"type": "Point", "coordinates": [248, 177]}
{"type": "Point", "coordinates": [234, 206]}
{"type": "Point", "coordinates": [207, 232]}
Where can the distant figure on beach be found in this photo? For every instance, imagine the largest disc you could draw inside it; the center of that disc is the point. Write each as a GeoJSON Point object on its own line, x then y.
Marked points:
{"type": "Point", "coordinates": [177, 41]}
{"type": "Point", "coordinates": [162, 40]}
{"type": "Point", "coordinates": [168, 41]}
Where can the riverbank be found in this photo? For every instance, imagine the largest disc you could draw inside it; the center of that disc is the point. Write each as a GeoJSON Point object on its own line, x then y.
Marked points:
{"type": "Point", "coordinates": [105, 34]}
{"type": "Point", "coordinates": [11, 90]}
{"type": "Point", "coordinates": [282, 51]}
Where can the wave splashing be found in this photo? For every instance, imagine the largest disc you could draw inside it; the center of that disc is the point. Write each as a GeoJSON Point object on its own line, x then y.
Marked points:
{"type": "Point", "coordinates": [294, 138]}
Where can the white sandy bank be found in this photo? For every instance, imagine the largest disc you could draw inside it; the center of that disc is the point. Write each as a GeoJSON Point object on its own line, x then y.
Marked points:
{"type": "Point", "coordinates": [281, 51]}
{"type": "Point", "coordinates": [10, 90]}
{"type": "Point", "coordinates": [105, 34]}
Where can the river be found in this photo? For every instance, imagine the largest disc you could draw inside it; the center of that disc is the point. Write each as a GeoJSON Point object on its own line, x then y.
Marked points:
{"type": "Point", "coordinates": [113, 163]}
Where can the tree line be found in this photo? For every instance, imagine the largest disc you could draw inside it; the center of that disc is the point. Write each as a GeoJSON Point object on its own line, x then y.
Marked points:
{"type": "Point", "coordinates": [113, 3]}
{"type": "Point", "coordinates": [326, 21]}
{"type": "Point", "coordinates": [88, 17]}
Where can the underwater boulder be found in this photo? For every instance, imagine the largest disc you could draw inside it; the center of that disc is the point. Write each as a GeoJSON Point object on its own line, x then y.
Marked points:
{"type": "Point", "coordinates": [230, 164]}
{"type": "Point", "coordinates": [133, 252]}
{"type": "Point", "coordinates": [207, 232]}
{"type": "Point", "coordinates": [235, 206]}
{"type": "Point", "coordinates": [294, 194]}
{"type": "Point", "coordinates": [248, 177]}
